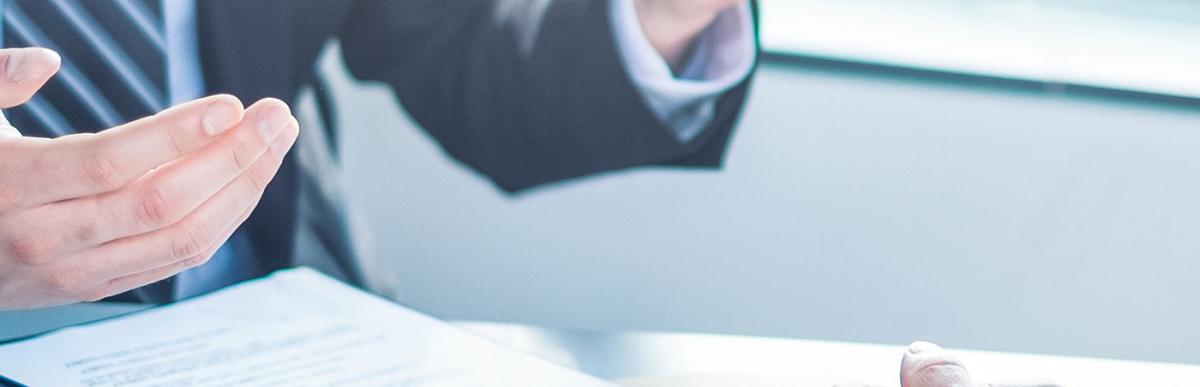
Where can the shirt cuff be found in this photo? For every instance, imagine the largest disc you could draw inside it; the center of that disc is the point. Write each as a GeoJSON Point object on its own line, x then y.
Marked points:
{"type": "Point", "coordinates": [722, 57]}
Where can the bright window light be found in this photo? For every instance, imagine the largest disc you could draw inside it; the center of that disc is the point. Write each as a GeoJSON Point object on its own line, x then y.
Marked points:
{"type": "Point", "coordinates": [1141, 45]}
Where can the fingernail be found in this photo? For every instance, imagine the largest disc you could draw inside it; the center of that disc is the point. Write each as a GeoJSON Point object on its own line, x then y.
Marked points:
{"type": "Point", "coordinates": [922, 347]}
{"type": "Point", "coordinates": [271, 121]}
{"type": "Point", "coordinates": [28, 63]}
{"type": "Point", "coordinates": [220, 117]}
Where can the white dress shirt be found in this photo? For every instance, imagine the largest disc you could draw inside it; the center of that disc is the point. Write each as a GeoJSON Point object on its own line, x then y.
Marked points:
{"type": "Point", "coordinates": [722, 57]}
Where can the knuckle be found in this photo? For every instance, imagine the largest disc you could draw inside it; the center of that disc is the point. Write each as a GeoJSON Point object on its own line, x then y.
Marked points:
{"type": "Point", "coordinates": [259, 181]}
{"type": "Point", "coordinates": [87, 230]}
{"type": "Point", "coordinates": [155, 207]}
{"type": "Point", "coordinates": [176, 143]}
{"type": "Point", "coordinates": [100, 168]}
{"type": "Point", "coordinates": [189, 242]}
{"type": "Point", "coordinates": [31, 251]}
{"type": "Point", "coordinates": [62, 281]}
{"type": "Point", "coordinates": [241, 156]}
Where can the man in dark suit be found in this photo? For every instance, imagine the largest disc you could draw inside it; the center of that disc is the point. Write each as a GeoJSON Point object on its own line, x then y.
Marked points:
{"type": "Point", "coordinates": [526, 92]}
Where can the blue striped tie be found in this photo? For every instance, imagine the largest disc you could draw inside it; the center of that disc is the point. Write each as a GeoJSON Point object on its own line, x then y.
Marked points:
{"type": "Point", "coordinates": [114, 62]}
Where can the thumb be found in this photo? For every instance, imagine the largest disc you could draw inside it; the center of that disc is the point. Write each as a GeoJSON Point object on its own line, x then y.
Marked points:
{"type": "Point", "coordinates": [24, 71]}
{"type": "Point", "coordinates": [927, 365]}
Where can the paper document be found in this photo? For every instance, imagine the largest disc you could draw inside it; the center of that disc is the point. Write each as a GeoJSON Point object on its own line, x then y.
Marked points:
{"type": "Point", "coordinates": [294, 328]}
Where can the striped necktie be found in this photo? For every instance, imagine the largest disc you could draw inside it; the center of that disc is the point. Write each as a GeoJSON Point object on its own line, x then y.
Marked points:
{"type": "Point", "coordinates": [114, 62]}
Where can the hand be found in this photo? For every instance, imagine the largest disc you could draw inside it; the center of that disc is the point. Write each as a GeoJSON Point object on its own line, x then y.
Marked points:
{"type": "Point", "coordinates": [927, 365]}
{"type": "Point", "coordinates": [672, 25]}
{"type": "Point", "coordinates": [87, 216]}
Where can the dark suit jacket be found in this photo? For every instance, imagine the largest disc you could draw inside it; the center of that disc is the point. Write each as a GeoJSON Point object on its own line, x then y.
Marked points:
{"type": "Point", "coordinates": [526, 92]}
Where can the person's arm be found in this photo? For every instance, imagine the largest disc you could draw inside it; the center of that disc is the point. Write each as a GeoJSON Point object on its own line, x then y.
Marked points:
{"type": "Point", "coordinates": [527, 92]}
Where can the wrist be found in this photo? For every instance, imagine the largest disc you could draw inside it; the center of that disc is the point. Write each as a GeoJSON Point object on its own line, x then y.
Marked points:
{"type": "Point", "coordinates": [672, 26]}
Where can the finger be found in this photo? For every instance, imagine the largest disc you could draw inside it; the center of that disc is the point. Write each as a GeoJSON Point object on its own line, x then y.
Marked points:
{"type": "Point", "coordinates": [136, 280]}
{"type": "Point", "coordinates": [80, 285]}
{"type": "Point", "coordinates": [197, 233]}
{"type": "Point", "coordinates": [168, 194]}
{"type": "Point", "coordinates": [163, 196]}
{"type": "Point", "coordinates": [132, 281]}
{"type": "Point", "coordinates": [86, 164]}
{"type": "Point", "coordinates": [25, 71]}
{"type": "Point", "coordinates": [927, 365]}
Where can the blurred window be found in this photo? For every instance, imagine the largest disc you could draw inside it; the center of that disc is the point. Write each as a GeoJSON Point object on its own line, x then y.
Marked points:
{"type": "Point", "coordinates": [1148, 46]}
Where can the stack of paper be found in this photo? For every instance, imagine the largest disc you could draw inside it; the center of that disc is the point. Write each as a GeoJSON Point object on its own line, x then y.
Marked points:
{"type": "Point", "coordinates": [294, 328]}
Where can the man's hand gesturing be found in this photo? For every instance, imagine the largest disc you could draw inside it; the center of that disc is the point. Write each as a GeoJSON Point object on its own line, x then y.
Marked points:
{"type": "Point", "coordinates": [87, 216]}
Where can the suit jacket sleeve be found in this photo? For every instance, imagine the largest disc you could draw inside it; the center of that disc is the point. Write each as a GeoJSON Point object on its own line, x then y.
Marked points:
{"type": "Point", "coordinates": [526, 92]}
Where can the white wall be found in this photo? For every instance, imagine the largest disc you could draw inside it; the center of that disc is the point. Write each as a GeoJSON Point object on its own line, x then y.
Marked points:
{"type": "Point", "coordinates": [852, 208]}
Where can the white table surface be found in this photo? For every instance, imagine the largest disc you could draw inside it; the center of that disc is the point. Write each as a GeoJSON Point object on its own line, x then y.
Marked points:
{"type": "Point", "coordinates": [684, 359]}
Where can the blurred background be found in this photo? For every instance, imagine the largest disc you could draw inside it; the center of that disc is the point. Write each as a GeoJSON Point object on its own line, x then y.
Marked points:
{"type": "Point", "coordinates": [988, 174]}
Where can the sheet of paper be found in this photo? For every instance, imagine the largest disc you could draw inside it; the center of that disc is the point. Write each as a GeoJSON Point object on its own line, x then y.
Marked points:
{"type": "Point", "coordinates": [294, 328]}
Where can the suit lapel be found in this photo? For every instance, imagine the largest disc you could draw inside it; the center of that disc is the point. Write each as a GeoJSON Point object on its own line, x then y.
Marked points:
{"type": "Point", "coordinates": [246, 47]}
